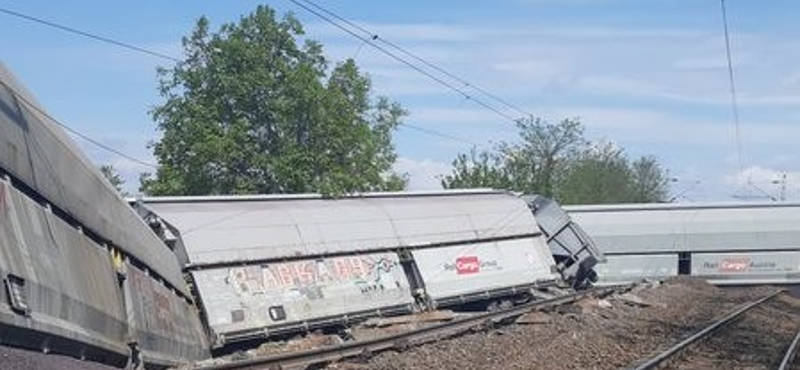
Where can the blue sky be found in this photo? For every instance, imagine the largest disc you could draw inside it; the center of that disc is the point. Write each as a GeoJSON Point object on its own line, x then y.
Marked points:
{"type": "Point", "coordinates": [649, 75]}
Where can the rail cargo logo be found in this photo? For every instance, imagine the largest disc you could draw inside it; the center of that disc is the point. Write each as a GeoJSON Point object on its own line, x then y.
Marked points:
{"type": "Point", "coordinates": [734, 265]}
{"type": "Point", "coordinates": [467, 265]}
{"type": "Point", "coordinates": [470, 265]}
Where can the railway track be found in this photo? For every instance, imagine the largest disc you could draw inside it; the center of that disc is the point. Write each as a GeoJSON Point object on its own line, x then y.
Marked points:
{"type": "Point", "coordinates": [323, 355]}
{"type": "Point", "coordinates": [757, 335]}
{"type": "Point", "coordinates": [788, 362]}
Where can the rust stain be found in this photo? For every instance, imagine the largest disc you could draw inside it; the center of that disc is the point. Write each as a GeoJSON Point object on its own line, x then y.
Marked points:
{"type": "Point", "coordinates": [2, 198]}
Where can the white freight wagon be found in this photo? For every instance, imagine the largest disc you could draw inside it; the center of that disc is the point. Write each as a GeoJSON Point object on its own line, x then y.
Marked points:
{"type": "Point", "coordinates": [727, 243]}
{"type": "Point", "coordinates": [264, 265]}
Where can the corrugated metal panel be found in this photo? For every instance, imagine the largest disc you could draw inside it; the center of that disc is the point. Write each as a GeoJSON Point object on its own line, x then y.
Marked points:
{"type": "Point", "coordinates": [168, 330]}
{"type": "Point", "coordinates": [699, 228]}
{"type": "Point", "coordinates": [623, 269]}
{"type": "Point", "coordinates": [245, 299]}
{"type": "Point", "coordinates": [43, 249]}
{"type": "Point", "coordinates": [70, 286]}
{"type": "Point", "coordinates": [475, 268]}
{"type": "Point", "coordinates": [35, 150]}
{"type": "Point", "coordinates": [73, 289]}
{"type": "Point", "coordinates": [267, 228]}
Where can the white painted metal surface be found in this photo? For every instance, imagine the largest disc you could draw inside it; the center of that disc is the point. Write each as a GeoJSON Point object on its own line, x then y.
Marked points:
{"type": "Point", "coordinates": [265, 263]}
{"type": "Point", "coordinates": [476, 268]}
{"type": "Point", "coordinates": [223, 229]}
{"type": "Point", "coordinates": [679, 227]}
{"type": "Point", "coordinates": [624, 269]}
{"type": "Point", "coordinates": [727, 243]}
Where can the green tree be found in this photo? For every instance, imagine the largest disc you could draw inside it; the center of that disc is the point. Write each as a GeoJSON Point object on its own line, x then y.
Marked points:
{"type": "Point", "coordinates": [476, 170]}
{"type": "Point", "coordinates": [532, 165]}
{"type": "Point", "coordinates": [249, 110]}
{"type": "Point", "coordinates": [556, 160]}
{"type": "Point", "coordinates": [535, 164]}
{"type": "Point", "coordinates": [110, 173]}
{"type": "Point", "coordinates": [599, 175]}
{"type": "Point", "coordinates": [650, 181]}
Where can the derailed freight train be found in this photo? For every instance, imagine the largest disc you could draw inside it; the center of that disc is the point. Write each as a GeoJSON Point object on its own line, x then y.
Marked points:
{"type": "Point", "coordinates": [84, 274]}
{"type": "Point", "coordinates": [725, 243]}
{"type": "Point", "coordinates": [265, 265]}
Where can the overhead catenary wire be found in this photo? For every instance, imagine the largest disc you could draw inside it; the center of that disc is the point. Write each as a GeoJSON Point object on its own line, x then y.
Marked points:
{"type": "Point", "coordinates": [732, 83]}
{"type": "Point", "coordinates": [88, 34]}
{"type": "Point", "coordinates": [172, 59]}
{"type": "Point", "coordinates": [77, 133]}
{"type": "Point", "coordinates": [369, 41]}
{"type": "Point", "coordinates": [440, 134]}
{"type": "Point", "coordinates": [375, 36]}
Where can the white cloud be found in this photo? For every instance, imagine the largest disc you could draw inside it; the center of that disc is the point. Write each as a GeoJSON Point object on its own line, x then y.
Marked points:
{"type": "Point", "coordinates": [424, 174]}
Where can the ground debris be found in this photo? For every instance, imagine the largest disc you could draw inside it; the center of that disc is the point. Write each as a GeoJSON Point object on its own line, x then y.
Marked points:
{"type": "Point", "coordinates": [536, 317]}
{"type": "Point", "coordinates": [634, 300]}
{"type": "Point", "coordinates": [590, 334]}
{"type": "Point", "coordinates": [433, 316]}
{"type": "Point", "coordinates": [308, 342]}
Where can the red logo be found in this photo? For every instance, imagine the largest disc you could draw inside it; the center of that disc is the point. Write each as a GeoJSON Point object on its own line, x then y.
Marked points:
{"type": "Point", "coordinates": [735, 265]}
{"type": "Point", "coordinates": [467, 265]}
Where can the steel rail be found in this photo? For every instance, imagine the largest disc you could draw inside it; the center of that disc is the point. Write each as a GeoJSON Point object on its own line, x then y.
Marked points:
{"type": "Point", "coordinates": [401, 340]}
{"type": "Point", "coordinates": [791, 353]}
{"type": "Point", "coordinates": [662, 357]}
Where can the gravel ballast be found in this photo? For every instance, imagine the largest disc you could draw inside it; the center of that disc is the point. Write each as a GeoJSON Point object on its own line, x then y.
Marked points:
{"type": "Point", "coordinates": [593, 334]}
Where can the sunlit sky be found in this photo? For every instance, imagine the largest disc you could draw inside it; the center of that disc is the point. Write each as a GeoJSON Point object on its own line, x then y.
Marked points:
{"type": "Point", "coordinates": [649, 75]}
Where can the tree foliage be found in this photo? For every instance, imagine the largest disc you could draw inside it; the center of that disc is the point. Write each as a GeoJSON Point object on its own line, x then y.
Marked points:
{"type": "Point", "coordinates": [110, 173]}
{"type": "Point", "coordinates": [477, 170]}
{"type": "Point", "coordinates": [250, 110]}
{"type": "Point", "coordinates": [556, 160]}
{"type": "Point", "coordinates": [600, 174]}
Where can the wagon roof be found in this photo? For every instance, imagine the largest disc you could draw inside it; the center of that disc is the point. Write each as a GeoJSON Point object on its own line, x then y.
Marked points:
{"type": "Point", "coordinates": [251, 228]}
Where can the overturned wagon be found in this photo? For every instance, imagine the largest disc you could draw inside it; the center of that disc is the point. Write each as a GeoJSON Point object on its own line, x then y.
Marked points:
{"type": "Point", "coordinates": [264, 265]}
{"type": "Point", "coordinates": [81, 273]}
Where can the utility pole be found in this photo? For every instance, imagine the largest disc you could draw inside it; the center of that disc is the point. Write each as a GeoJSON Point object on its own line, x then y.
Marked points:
{"type": "Point", "coordinates": [782, 183]}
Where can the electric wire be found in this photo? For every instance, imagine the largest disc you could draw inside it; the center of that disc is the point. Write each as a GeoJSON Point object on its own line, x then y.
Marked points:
{"type": "Point", "coordinates": [88, 34]}
{"type": "Point", "coordinates": [369, 41]}
{"type": "Point", "coordinates": [440, 134]}
{"type": "Point", "coordinates": [732, 82]}
{"type": "Point", "coordinates": [77, 133]}
{"type": "Point", "coordinates": [375, 36]}
{"type": "Point", "coordinates": [173, 59]}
